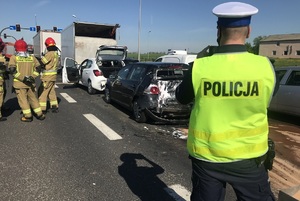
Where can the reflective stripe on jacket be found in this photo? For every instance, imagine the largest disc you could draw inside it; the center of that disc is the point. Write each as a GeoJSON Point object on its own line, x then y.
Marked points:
{"type": "Point", "coordinates": [229, 118]}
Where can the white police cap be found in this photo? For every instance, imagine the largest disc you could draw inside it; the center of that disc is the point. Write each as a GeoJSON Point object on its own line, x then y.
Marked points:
{"type": "Point", "coordinates": [234, 14]}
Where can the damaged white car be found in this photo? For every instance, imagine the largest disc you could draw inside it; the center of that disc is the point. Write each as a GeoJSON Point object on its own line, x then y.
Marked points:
{"type": "Point", "coordinates": [93, 72]}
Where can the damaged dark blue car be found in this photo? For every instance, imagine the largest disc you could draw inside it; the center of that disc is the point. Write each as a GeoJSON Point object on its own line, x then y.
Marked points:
{"type": "Point", "coordinates": [148, 90]}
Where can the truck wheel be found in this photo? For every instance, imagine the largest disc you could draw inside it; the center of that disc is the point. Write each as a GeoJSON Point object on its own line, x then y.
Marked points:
{"type": "Point", "coordinates": [90, 89]}
{"type": "Point", "coordinates": [138, 113]}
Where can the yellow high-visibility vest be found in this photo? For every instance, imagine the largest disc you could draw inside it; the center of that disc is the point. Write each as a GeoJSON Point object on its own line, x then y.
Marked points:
{"type": "Point", "coordinates": [229, 118]}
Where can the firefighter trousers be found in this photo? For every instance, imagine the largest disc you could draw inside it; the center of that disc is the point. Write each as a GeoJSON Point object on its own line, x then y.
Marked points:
{"type": "Point", "coordinates": [27, 99]}
{"type": "Point", "coordinates": [47, 90]}
{"type": "Point", "coordinates": [249, 180]}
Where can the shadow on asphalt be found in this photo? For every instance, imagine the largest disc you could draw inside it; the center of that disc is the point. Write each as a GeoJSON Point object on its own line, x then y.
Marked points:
{"type": "Point", "coordinates": [143, 179]}
{"type": "Point", "coordinates": [12, 105]}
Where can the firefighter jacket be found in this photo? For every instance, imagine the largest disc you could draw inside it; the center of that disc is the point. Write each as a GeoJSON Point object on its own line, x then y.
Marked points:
{"type": "Point", "coordinates": [229, 118]}
{"type": "Point", "coordinates": [25, 66]}
{"type": "Point", "coordinates": [50, 60]}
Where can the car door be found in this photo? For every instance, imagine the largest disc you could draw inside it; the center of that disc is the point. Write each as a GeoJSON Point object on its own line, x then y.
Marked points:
{"type": "Point", "coordinates": [85, 69]}
{"type": "Point", "coordinates": [288, 95]}
{"type": "Point", "coordinates": [130, 85]}
{"type": "Point", "coordinates": [70, 71]}
{"type": "Point", "coordinates": [116, 86]}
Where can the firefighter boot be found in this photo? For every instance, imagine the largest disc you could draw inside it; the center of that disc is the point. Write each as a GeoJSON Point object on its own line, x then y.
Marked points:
{"type": "Point", "coordinates": [41, 117]}
{"type": "Point", "coordinates": [3, 119]}
{"type": "Point", "coordinates": [54, 109]}
{"type": "Point", "coordinates": [26, 119]}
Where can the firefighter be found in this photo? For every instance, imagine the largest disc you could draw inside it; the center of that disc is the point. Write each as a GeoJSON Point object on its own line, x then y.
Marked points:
{"type": "Point", "coordinates": [48, 77]}
{"type": "Point", "coordinates": [23, 68]}
{"type": "Point", "coordinates": [2, 78]}
{"type": "Point", "coordinates": [228, 128]}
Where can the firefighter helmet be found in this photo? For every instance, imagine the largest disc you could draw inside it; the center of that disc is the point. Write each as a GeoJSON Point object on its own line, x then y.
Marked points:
{"type": "Point", "coordinates": [50, 42]}
{"type": "Point", "coordinates": [20, 46]}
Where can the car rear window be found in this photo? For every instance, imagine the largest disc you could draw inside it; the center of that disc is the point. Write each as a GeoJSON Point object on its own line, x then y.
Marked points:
{"type": "Point", "coordinates": [111, 52]}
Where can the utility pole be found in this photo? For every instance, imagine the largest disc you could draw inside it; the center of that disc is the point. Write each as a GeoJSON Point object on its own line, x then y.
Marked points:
{"type": "Point", "coordinates": [139, 30]}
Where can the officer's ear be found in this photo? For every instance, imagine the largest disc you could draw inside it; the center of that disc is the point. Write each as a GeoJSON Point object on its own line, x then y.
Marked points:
{"type": "Point", "coordinates": [218, 32]}
{"type": "Point", "coordinates": [219, 35]}
{"type": "Point", "coordinates": [248, 33]}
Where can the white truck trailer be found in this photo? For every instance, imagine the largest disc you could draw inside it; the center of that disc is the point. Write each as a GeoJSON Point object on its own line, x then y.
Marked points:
{"type": "Point", "coordinates": [80, 40]}
{"type": "Point", "coordinates": [39, 46]}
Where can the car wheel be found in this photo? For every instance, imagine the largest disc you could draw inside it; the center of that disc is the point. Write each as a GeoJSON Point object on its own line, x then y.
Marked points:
{"type": "Point", "coordinates": [107, 95]}
{"type": "Point", "coordinates": [91, 90]}
{"type": "Point", "coordinates": [138, 113]}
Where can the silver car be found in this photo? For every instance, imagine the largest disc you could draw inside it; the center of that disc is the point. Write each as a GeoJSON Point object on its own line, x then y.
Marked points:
{"type": "Point", "coordinates": [287, 95]}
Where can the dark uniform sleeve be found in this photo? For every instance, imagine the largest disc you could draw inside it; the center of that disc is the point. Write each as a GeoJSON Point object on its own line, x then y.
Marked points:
{"type": "Point", "coordinates": [184, 92]}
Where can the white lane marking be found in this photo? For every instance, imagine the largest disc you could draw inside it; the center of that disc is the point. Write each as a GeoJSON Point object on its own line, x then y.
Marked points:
{"type": "Point", "coordinates": [178, 192]}
{"type": "Point", "coordinates": [107, 131]}
{"type": "Point", "coordinates": [68, 98]}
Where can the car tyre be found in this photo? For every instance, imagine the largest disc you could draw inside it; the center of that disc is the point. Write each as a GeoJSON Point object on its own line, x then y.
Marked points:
{"type": "Point", "coordinates": [138, 113]}
{"type": "Point", "coordinates": [107, 98]}
{"type": "Point", "coordinates": [90, 89]}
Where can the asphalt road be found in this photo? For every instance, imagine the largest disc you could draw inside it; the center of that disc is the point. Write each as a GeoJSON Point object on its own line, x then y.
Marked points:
{"type": "Point", "coordinates": [74, 154]}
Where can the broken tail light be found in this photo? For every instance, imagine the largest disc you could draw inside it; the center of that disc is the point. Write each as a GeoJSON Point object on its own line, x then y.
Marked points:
{"type": "Point", "coordinates": [154, 90]}
{"type": "Point", "coordinates": [97, 73]}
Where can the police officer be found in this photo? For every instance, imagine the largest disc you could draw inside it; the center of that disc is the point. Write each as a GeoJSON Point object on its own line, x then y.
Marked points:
{"type": "Point", "coordinates": [23, 68]}
{"type": "Point", "coordinates": [48, 76]}
{"type": "Point", "coordinates": [228, 128]}
{"type": "Point", "coordinates": [2, 78]}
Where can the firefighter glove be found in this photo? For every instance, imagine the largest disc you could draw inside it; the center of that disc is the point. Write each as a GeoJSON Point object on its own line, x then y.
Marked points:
{"type": "Point", "coordinates": [29, 80]}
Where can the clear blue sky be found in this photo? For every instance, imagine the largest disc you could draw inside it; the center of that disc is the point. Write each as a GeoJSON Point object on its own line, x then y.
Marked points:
{"type": "Point", "coordinates": [166, 24]}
